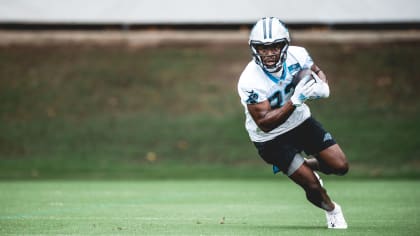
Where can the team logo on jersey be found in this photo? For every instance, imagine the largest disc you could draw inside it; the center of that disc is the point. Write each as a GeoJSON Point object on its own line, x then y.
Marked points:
{"type": "Point", "coordinates": [252, 97]}
{"type": "Point", "coordinates": [327, 137]}
{"type": "Point", "coordinates": [293, 68]}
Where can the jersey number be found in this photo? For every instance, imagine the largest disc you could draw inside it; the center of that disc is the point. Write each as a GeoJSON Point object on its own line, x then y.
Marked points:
{"type": "Point", "coordinates": [276, 100]}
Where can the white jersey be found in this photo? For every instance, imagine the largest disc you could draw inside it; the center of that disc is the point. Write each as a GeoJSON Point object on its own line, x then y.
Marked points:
{"type": "Point", "coordinates": [256, 85]}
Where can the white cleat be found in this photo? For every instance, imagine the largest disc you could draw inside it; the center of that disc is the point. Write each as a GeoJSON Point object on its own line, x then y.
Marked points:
{"type": "Point", "coordinates": [335, 218]}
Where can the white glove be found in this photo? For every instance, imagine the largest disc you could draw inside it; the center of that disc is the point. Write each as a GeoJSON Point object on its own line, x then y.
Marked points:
{"type": "Point", "coordinates": [321, 88]}
{"type": "Point", "coordinates": [303, 91]}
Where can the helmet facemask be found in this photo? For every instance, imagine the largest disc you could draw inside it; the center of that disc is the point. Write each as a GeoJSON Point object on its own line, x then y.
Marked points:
{"type": "Point", "coordinates": [270, 56]}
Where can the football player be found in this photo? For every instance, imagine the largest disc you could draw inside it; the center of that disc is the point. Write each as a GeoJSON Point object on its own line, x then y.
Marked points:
{"type": "Point", "coordinates": [278, 121]}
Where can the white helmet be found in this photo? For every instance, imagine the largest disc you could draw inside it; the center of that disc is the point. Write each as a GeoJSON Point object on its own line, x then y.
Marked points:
{"type": "Point", "coordinates": [267, 31]}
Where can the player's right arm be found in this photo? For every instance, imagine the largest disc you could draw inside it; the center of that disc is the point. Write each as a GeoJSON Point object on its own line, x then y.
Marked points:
{"type": "Point", "coordinates": [267, 118]}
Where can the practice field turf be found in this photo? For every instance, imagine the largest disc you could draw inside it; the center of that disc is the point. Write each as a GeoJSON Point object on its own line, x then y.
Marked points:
{"type": "Point", "coordinates": [204, 207]}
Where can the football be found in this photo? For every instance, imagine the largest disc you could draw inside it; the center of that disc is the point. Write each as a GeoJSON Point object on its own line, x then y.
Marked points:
{"type": "Point", "coordinates": [300, 75]}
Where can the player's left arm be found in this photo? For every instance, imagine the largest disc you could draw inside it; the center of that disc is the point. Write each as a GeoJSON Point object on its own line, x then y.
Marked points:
{"type": "Point", "coordinates": [322, 89]}
{"type": "Point", "coordinates": [318, 71]}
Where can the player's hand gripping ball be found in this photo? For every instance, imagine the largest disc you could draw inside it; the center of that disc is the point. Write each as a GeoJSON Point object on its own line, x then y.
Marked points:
{"type": "Point", "coordinates": [302, 74]}
{"type": "Point", "coordinates": [308, 86]}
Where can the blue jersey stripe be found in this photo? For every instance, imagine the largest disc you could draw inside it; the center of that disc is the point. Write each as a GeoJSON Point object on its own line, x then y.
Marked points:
{"type": "Point", "coordinates": [273, 78]}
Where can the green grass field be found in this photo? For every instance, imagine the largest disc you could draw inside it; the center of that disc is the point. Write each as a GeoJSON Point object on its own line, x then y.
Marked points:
{"type": "Point", "coordinates": [151, 141]}
{"type": "Point", "coordinates": [203, 207]}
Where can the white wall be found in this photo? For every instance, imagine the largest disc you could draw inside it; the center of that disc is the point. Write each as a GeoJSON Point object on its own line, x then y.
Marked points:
{"type": "Point", "coordinates": [208, 11]}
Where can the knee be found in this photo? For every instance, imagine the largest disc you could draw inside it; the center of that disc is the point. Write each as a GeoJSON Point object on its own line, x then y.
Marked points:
{"type": "Point", "coordinates": [342, 168]}
{"type": "Point", "coordinates": [333, 161]}
{"type": "Point", "coordinates": [339, 167]}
